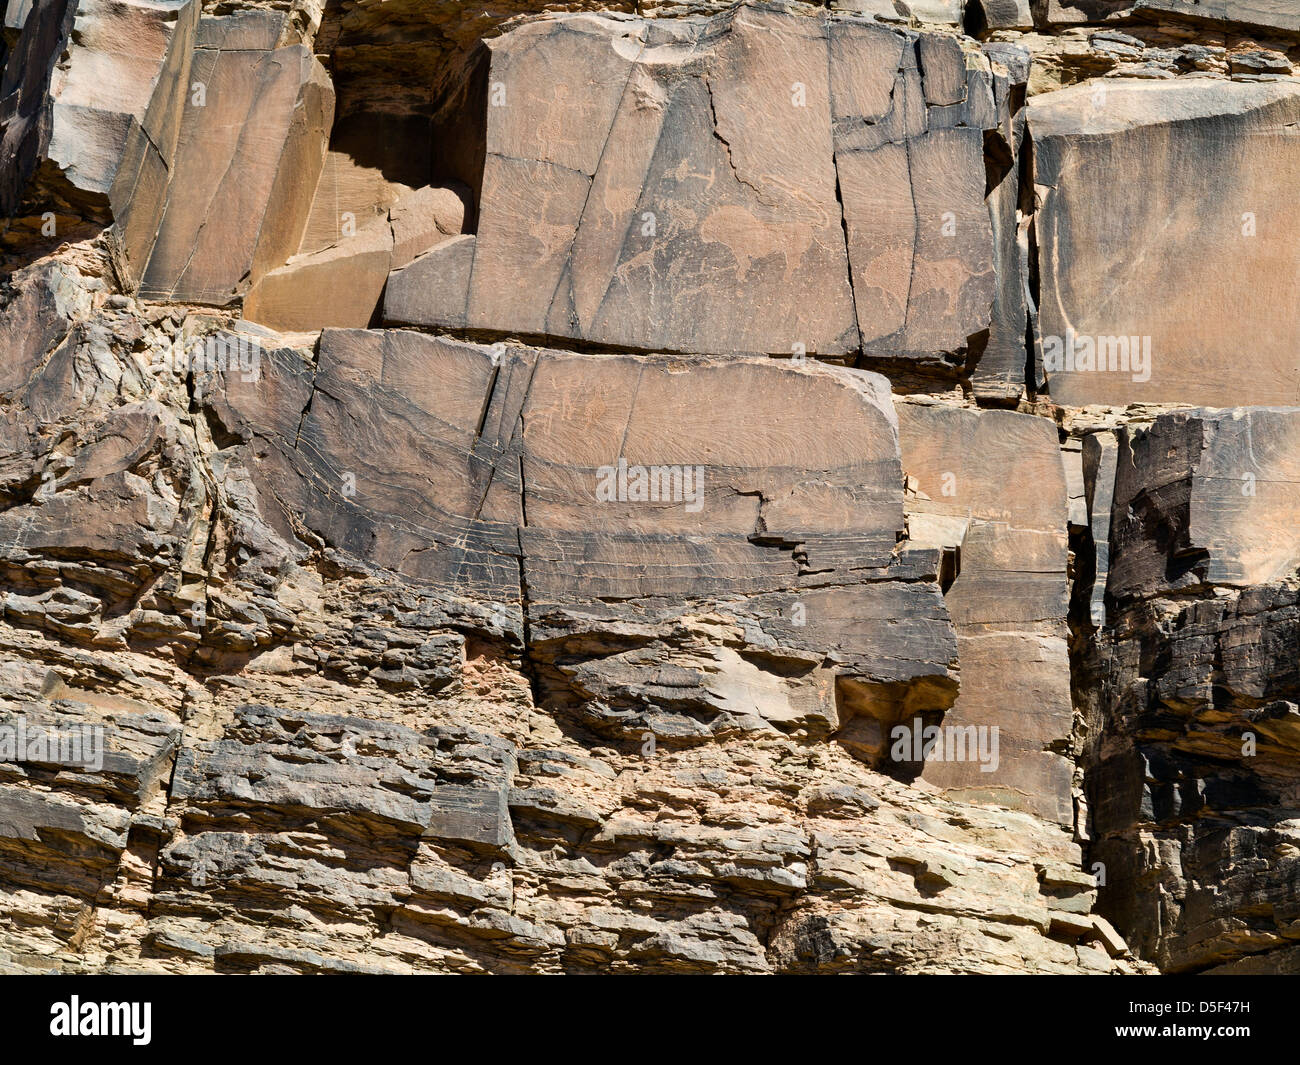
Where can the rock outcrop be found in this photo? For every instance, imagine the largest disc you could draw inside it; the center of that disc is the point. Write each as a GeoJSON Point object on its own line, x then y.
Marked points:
{"type": "Point", "coordinates": [652, 206]}
{"type": "Point", "coordinates": [1210, 287]}
{"type": "Point", "coordinates": [767, 488]}
{"type": "Point", "coordinates": [1191, 771]}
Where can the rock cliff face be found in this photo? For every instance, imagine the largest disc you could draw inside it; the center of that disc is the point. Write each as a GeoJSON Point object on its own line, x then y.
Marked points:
{"type": "Point", "coordinates": [649, 488]}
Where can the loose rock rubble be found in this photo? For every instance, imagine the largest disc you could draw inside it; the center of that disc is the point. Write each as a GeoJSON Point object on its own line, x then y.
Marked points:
{"type": "Point", "coordinates": [747, 488]}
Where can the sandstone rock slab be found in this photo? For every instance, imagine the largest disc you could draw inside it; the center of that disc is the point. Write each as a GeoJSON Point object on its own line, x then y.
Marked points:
{"type": "Point", "coordinates": [250, 152]}
{"type": "Point", "coordinates": [989, 487]}
{"type": "Point", "coordinates": [753, 182]}
{"type": "Point", "coordinates": [1214, 277]}
{"type": "Point", "coordinates": [1204, 497]}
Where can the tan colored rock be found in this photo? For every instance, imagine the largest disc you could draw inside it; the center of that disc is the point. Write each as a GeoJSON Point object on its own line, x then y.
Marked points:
{"type": "Point", "coordinates": [91, 74]}
{"type": "Point", "coordinates": [95, 72]}
{"type": "Point", "coordinates": [114, 69]}
{"type": "Point", "coordinates": [918, 230]}
{"type": "Point", "coordinates": [991, 15]}
{"type": "Point", "coordinates": [40, 306]}
{"type": "Point", "coordinates": [419, 730]}
{"type": "Point", "coordinates": [16, 14]}
{"type": "Point", "coordinates": [1001, 372]}
{"type": "Point", "coordinates": [361, 226]}
{"type": "Point", "coordinates": [138, 192]}
{"type": "Point", "coordinates": [1100, 455]}
{"type": "Point", "coordinates": [499, 657]}
{"type": "Point", "coordinates": [990, 487]}
{"type": "Point", "coordinates": [1233, 14]}
{"type": "Point", "coordinates": [349, 197]}
{"type": "Point", "coordinates": [736, 206]}
{"type": "Point", "coordinates": [1215, 274]}
{"type": "Point", "coordinates": [423, 218]}
{"type": "Point", "coordinates": [746, 590]}
{"type": "Point", "coordinates": [433, 288]}
{"type": "Point", "coordinates": [937, 12]}
{"type": "Point", "coordinates": [649, 193]}
{"type": "Point", "coordinates": [247, 164]}
{"type": "Point", "coordinates": [338, 287]}
{"type": "Point", "coordinates": [766, 530]}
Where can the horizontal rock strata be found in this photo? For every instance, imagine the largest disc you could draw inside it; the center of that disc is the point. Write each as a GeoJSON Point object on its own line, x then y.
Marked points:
{"type": "Point", "coordinates": [761, 488]}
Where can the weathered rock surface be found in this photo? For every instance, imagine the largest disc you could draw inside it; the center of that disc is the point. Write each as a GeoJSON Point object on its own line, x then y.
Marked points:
{"type": "Point", "coordinates": [94, 93]}
{"type": "Point", "coordinates": [909, 12]}
{"type": "Point", "coordinates": [987, 15]}
{"type": "Point", "coordinates": [350, 620]}
{"type": "Point", "coordinates": [337, 286]}
{"type": "Point", "coordinates": [1205, 498]}
{"type": "Point", "coordinates": [356, 708]}
{"type": "Point", "coordinates": [24, 94]}
{"type": "Point", "coordinates": [647, 206]}
{"type": "Point", "coordinates": [1161, 325]}
{"type": "Point", "coordinates": [1244, 14]}
{"type": "Point", "coordinates": [251, 149]}
{"type": "Point", "coordinates": [1249, 14]}
{"type": "Point", "coordinates": [1193, 763]}
{"type": "Point", "coordinates": [988, 487]}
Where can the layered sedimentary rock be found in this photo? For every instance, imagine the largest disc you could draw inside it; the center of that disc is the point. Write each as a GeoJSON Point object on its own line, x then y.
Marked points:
{"type": "Point", "coordinates": [782, 548]}
{"type": "Point", "coordinates": [1194, 762]}
{"type": "Point", "coordinates": [412, 559]}
{"type": "Point", "coordinates": [366, 748]}
{"type": "Point", "coordinates": [585, 484]}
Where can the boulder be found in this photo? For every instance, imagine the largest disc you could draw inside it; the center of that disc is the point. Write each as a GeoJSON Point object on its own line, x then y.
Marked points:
{"type": "Point", "coordinates": [337, 287]}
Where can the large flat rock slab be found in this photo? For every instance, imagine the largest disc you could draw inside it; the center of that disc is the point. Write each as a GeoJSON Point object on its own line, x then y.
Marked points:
{"type": "Point", "coordinates": [391, 450]}
{"type": "Point", "coordinates": [769, 594]}
{"type": "Point", "coordinates": [1243, 14]}
{"type": "Point", "coordinates": [754, 182]}
{"type": "Point", "coordinates": [791, 461]}
{"type": "Point", "coordinates": [250, 151]}
{"type": "Point", "coordinates": [744, 247]}
{"type": "Point", "coordinates": [1239, 15]}
{"type": "Point", "coordinates": [1184, 293]}
{"type": "Point", "coordinates": [676, 575]}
